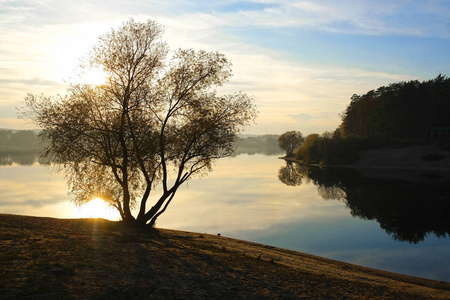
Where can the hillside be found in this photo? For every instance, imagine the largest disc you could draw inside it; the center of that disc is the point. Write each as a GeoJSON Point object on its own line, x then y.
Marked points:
{"type": "Point", "coordinates": [426, 157]}
{"type": "Point", "coordinates": [45, 258]}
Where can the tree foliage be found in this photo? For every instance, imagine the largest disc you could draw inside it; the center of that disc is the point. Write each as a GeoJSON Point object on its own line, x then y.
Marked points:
{"type": "Point", "coordinates": [154, 122]}
{"type": "Point", "coordinates": [400, 110]}
{"type": "Point", "coordinates": [290, 141]}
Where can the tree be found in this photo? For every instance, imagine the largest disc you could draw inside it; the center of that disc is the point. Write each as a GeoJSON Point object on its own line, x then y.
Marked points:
{"type": "Point", "coordinates": [290, 141]}
{"type": "Point", "coordinates": [154, 122]}
{"type": "Point", "coordinates": [308, 152]}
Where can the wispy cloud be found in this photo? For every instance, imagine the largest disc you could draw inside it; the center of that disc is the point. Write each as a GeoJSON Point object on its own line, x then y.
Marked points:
{"type": "Point", "coordinates": [415, 18]}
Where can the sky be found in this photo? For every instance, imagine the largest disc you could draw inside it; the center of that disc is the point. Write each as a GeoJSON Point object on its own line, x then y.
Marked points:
{"type": "Point", "coordinates": [301, 61]}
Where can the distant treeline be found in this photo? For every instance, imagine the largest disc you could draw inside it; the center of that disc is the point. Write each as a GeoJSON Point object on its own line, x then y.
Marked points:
{"type": "Point", "coordinates": [263, 144]}
{"type": "Point", "coordinates": [23, 146]}
{"type": "Point", "coordinates": [18, 140]}
{"type": "Point", "coordinates": [401, 113]}
{"type": "Point", "coordinates": [19, 147]}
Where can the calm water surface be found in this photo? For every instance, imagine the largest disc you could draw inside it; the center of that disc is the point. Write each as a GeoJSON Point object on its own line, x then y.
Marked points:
{"type": "Point", "coordinates": [368, 221]}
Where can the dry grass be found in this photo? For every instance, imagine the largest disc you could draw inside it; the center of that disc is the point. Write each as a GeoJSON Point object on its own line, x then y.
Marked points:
{"type": "Point", "coordinates": [45, 258]}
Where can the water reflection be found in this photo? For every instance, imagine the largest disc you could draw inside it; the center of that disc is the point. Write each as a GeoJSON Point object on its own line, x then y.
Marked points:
{"type": "Point", "coordinates": [408, 206]}
{"type": "Point", "coordinates": [22, 158]}
{"type": "Point", "coordinates": [290, 174]}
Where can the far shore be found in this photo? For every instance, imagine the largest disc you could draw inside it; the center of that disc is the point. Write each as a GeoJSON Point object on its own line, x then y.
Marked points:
{"type": "Point", "coordinates": [48, 258]}
{"type": "Point", "coordinates": [399, 158]}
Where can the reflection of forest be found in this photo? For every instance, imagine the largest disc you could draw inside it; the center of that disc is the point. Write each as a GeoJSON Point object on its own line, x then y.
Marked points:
{"type": "Point", "coordinates": [406, 210]}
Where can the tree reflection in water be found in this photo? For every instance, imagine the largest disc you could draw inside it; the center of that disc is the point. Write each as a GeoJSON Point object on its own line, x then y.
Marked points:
{"type": "Point", "coordinates": [407, 209]}
{"type": "Point", "coordinates": [290, 174]}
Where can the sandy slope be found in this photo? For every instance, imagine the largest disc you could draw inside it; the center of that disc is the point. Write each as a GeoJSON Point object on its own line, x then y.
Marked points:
{"type": "Point", "coordinates": [413, 156]}
{"type": "Point", "coordinates": [46, 258]}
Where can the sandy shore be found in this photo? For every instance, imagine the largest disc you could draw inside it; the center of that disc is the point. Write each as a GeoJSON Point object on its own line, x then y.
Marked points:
{"type": "Point", "coordinates": [46, 258]}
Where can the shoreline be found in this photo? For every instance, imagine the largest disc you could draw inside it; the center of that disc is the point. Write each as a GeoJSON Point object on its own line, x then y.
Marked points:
{"type": "Point", "coordinates": [408, 158]}
{"type": "Point", "coordinates": [73, 254]}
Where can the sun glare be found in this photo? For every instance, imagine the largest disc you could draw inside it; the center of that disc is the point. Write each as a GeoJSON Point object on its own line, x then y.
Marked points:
{"type": "Point", "coordinates": [97, 208]}
{"type": "Point", "coordinates": [91, 76]}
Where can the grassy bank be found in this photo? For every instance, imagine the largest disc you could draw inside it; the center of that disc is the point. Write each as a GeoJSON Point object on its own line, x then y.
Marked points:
{"type": "Point", "coordinates": [46, 258]}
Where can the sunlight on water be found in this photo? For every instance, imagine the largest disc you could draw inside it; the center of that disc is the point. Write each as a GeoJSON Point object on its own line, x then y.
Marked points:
{"type": "Point", "coordinates": [97, 208]}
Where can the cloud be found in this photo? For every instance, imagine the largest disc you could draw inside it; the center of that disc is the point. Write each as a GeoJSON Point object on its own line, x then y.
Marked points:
{"type": "Point", "coordinates": [30, 81]}
{"type": "Point", "coordinates": [317, 93]}
{"type": "Point", "coordinates": [14, 123]}
{"type": "Point", "coordinates": [412, 18]}
{"type": "Point", "coordinates": [302, 117]}
{"type": "Point", "coordinates": [357, 16]}
{"type": "Point", "coordinates": [14, 89]}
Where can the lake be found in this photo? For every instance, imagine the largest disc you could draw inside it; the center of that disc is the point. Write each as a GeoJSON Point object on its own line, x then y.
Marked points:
{"type": "Point", "coordinates": [399, 224]}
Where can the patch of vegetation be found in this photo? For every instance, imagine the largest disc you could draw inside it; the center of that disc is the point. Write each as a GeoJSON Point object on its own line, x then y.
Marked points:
{"type": "Point", "coordinates": [326, 149]}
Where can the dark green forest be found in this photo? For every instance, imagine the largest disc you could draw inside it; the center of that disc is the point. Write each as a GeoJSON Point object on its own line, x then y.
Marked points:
{"type": "Point", "coordinates": [400, 110]}
{"type": "Point", "coordinates": [404, 112]}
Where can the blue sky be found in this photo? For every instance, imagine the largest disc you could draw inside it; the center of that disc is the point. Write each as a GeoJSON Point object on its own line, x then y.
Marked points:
{"type": "Point", "coordinates": [301, 60]}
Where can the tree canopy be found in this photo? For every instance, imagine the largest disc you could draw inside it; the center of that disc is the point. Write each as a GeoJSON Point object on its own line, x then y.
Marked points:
{"type": "Point", "coordinates": [156, 121]}
{"type": "Point", "coordinates": [290, 141]}
{"type": "Point", "coordinates": [399, 110]}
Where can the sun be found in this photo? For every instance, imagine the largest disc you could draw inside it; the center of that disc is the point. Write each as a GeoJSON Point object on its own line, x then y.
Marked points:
{"type": "Point", "coordinates": [97, 208]}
